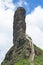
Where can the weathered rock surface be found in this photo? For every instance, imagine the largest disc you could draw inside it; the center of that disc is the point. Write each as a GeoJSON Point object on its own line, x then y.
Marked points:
{"type": "Point", "coordinates": [19, 25]}
{"type": "Point", "coordinates": [22, 44]}
{"type": "Point", "coordinates": [14, 54]}
{"type": "Point", "coordinates": [19, 28]}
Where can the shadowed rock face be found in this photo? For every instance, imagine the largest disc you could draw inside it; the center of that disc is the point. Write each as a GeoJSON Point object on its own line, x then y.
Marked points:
{"type": "Point", "coordinates": [19, 25]}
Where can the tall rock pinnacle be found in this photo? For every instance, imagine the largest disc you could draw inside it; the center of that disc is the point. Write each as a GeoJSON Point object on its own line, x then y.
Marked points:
{"type": "Point", "coordinates": [19, 25]}
{"type": "Point", "coordinates": [23, 47]}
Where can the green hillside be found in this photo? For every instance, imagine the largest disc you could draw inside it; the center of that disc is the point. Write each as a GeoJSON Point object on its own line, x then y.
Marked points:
{"type": "Point", "coordinates": [37, 61]}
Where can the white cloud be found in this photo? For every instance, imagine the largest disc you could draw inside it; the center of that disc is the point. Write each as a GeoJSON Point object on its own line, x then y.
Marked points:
{"type": "Point", "coordinates": [20, 3]}
{"type": "Point", "coordinates": [6, 24]}
{"type": "Point", "coordinates": [35, 26]}
{"type": "Point", "coordinates": [3, 40]}
{"type": "Point", "coordinates": [6, 18]}
{"type": "Point", "coordinates": [7, 4]}
{"type": "Point", "coordinates": [5, 44]}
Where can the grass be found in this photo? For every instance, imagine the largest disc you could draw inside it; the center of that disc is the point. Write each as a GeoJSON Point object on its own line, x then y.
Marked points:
{"type": "Point", "coordinates": [22, 62]}
{"type": "Point", "coordinates": [38, 60]}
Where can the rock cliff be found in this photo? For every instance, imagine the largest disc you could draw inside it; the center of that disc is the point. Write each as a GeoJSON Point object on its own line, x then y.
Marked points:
{"type": "Point", "coordinates": [22, 44]}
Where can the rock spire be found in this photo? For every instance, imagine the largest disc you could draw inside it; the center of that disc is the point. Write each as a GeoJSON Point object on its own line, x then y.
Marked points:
{"type": "Point", "coordinates": [19, 25]}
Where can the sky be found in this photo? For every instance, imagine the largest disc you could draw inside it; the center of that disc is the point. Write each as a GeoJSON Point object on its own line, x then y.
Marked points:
{"type": "Point", "coordinates": [34, 22]}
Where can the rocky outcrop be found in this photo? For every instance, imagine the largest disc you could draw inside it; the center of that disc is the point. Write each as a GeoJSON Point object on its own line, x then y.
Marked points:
{"type": "Point", "coordinates": [22, 44]}
{"type": "Point", "coordinates": [19, 26]}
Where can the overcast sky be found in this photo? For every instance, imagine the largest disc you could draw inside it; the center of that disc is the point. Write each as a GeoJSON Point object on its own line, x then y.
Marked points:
{"type": "Point", "coordinates": [34, 22]}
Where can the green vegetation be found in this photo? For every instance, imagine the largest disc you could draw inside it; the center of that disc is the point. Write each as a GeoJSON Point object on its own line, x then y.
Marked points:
{"type": "Point", "coordinates": [22, 62]}
{"type": "Point", "coordinates": [38, 59]}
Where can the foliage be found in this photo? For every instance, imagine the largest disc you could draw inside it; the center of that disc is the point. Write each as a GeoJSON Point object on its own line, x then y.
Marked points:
{"type": "Point", "coordinates": [38, 59]}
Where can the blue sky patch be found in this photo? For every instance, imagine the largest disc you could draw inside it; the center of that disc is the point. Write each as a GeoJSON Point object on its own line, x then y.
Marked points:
{"type": "Point", "coordinates": [31, 4]}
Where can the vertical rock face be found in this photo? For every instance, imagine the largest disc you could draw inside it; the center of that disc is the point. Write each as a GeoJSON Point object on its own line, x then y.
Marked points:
{"type": "Point", "coordinates": [23, 46]}
{"type": "Point", "coordinates": [19, 25]}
